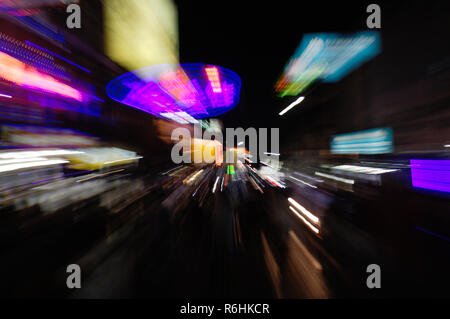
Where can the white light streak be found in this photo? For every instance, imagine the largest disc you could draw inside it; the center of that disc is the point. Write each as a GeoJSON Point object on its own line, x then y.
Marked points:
{"type": "Point", "coordinates": [215, 184]}
{"type": "Point", "coordinates": [299, 180]}
{"type": "Point", "coordinates": [277, 183]}
{"type": "Point", "coordinates": [364, 169]}
{"type": "Point", "coordinates": [22, 160]}
{"type": "Point", "coordinates": [14, 167]}
{"type": "Point", "coordinates": [186, 117]}
{"type": "Point", "coordinates": [305, 212]}
{"type": "Point", "coordinates": [339, 179]}
{"type": "Point", "coordinates": [123, 160]}
{"type": "Point", "coordinates": [307, 223]}
{"type": "Point", "coordinates": [172, 169]}
{"type": "Point", "coordinates": [98, 175]}
{"type": "Point", "coordinates": [368, 135]}
{"type": "Point", "coordinates": [298, 101]}
{"type": "Point", "coordinates": [194, 177]}
{"type": "Point", "coordinates": [28, 154]}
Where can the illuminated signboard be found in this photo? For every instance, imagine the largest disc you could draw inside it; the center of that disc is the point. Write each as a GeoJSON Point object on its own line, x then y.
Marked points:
{"type": "Point", "coordinates": [23, 75]}
{"type": "Point", "coordinates": [182, 93]}
{"type": "Point", "coordinates": [141, 33]}
{"type": "Point", "coordinates": [42, 80]}
{"type": "Point", "coordinates": [375, 141]}
{"type": "Point", "coordinates": [327, 57]}
{"type": "Point", "coordinates": [431, 174]}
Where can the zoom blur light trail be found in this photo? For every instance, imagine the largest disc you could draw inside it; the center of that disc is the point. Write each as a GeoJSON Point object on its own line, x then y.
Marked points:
{"type": "Point", "coordinates": [327, 57]}
{"type": "Point", "coordinates": [31, 164]}
{"type": "Point", "coordinates": [296, 102]}
{"type": "Point", "coordinates": [57, 56]}
{"type": "Point", "coordinates": [181, 93]}
{"type": "Point", "coordinates": [23, 75]}
{"type": "Point", "coordinates": [364, 169]}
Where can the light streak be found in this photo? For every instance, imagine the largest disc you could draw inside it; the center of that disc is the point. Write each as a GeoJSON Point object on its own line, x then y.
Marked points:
{"type": "Point", "coordinates": [313, 228]}
{"type": "Point", "coordinates": [339, 179]}
{"type": "Point", "coordinates": [27, 154]}
{"type": "Point", "coordinates": [14, 167]}
{"type": "Point", "coordinates": [21, 74]}
{"type": "Point", "coordinates": [298, 101]}
{"type": "Point", "coordinates": [299, 180]}
{"type": "Point", "coordinates": [215, 184]}
{"type": "Point", "coordinates": [305, 212]}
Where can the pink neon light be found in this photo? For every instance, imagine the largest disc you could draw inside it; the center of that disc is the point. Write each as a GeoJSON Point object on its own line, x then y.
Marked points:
{"type": "Point", "coordinates": [24, 75]}
{"type": "Point", "coordinates": [179, 85]}
{"type": "Point", "coordinates": [213, 77]}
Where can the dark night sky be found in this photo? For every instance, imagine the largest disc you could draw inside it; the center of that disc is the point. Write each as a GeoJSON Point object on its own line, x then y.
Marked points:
{"type": "Point", "coordinates": [256, 40]}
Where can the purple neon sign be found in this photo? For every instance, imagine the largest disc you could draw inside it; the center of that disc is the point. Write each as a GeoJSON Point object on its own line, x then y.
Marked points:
{"type": "Point", "coordinates": [198, 90]}
{"type": "Point", "coordinates": [431, 174]}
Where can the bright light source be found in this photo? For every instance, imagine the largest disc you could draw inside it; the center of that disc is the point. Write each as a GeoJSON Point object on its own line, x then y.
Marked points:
{"type": "Point", "coordinates": [363, 169]}
{"type": "Point", "coordinates": [174, 88]}
{"type": "Point", "coordinates": [28, 154]}
{"type": "Point", "coordinates": [194, 177]}
{"type": "Point", "coordinates": [187, 117]}
{"type": "Point", "coordinates": [174, 117]}
{"type": "Point", "coordinates": [24, 75]}
{"type": "Point", "coordinates": [22, 160]}
{"type": "Point", "coordinates": [13, 167]}
{"type": "Point", "coordinates": [328, 57]}
{"type": "Point", "coordinates": [213, 77]}
{"type": "Point", "coordinates": [298, 101]}
{"type": "Point", "coordinates": [314, 229]}
{"type": "Point", "coordinates": [215, 184]}
{"type": "Point", "coordinates": [240, 143]}
{"type": "Point", "coordinates": [431, 174]}
{"type": "Point", "coordinates": [5, 95]}
{"type": "Point", "coordinates": [339, 179]}
{"type": "Point", "coordinates": [123, 160]}
{"type": "Point", "coordinates": [274, 182]}
{"type": "Point", "coordinates": [305, 212]}
{"type": "Point", "coordinates": [373, 141]}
